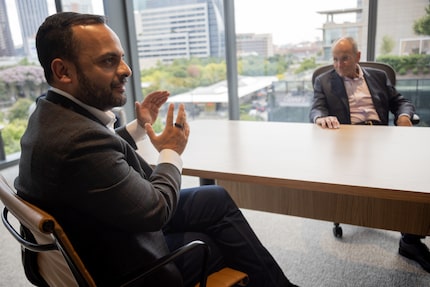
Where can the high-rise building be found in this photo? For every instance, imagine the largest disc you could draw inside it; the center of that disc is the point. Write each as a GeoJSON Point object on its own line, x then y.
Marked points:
{"type": "Point", "coordinates": [254, 44]}
{"type": "Point", "coordinates": [6, 41]}
{"type": "Point", "coordinates": [169, 30]}
{"type": "Point", "coordinates": [31, 14]}
{"type": "Point", "coordinates": [81, 6]}
{"type": "Point", "coordinates": [394, 23]}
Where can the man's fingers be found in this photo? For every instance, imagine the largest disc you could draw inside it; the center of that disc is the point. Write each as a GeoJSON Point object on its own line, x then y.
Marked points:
{"type": "Point", "coordinates": [149, 131]}
{"type": "Point", "coordinates": [157, 98]}
{"type": "Point", "coordinates": [169, 117]}
{"type": "Point", "coordinates": [181, 117]}
{"type": "Point", "coordinates": [329, 122]}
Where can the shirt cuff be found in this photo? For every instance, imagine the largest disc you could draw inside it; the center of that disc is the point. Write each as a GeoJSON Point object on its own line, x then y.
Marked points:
{"type": "Point", "coordinates": [136, 131]}
{"type": "Point", "coordinates": [172, 157]}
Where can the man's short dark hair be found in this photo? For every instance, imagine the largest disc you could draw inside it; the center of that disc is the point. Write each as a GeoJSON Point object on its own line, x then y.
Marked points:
{"type": "Point", "coordinates": [54, 38]}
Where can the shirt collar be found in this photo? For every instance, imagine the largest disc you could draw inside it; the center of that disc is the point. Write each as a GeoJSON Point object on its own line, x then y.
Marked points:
{"type": "Point", "coordinates": [107, 118]}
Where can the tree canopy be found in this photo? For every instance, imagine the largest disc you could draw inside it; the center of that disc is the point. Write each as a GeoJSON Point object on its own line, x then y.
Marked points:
{"type": "Point", "coordinates": [422, 25]}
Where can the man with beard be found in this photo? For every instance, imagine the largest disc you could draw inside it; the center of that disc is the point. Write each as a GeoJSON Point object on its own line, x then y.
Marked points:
{"type": "Point", "coordinates": [119, 213]}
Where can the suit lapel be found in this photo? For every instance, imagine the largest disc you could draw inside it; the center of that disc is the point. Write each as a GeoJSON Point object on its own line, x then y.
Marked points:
{"type": "Point", "coordinates": [70, 105]}
{"type": "Point", "coordinates": [338, 88]}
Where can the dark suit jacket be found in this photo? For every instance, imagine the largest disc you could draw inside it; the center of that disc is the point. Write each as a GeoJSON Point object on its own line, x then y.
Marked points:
{"type": "Point", "coordinates": [330, 98]}
{"type": "Point", "coordinates": [110, 202]}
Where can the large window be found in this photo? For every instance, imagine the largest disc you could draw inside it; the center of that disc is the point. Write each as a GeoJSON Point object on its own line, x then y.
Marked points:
{"type": "Point", "coordinates": [186, 47]}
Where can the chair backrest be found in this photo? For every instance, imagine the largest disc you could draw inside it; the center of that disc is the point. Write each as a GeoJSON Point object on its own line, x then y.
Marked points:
{"type": "Point", "coordinates": [377, 65]}
{"type": "Point", "coordinates": [57, 261]}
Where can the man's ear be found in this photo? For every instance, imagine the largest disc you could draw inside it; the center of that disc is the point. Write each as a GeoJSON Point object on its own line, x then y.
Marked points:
{"type": "Point", "coordinates": [358, 56]}
{"type": "Point", "coordinates": [61, 70]}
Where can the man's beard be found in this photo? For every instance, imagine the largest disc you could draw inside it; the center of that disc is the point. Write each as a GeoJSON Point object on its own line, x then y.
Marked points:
{"type": "Point", "coordinates": [101, 98]}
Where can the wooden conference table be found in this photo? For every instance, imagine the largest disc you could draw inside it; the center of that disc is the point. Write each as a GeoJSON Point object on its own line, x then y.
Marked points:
{"type": "Point", "coordinates": [374, 176]}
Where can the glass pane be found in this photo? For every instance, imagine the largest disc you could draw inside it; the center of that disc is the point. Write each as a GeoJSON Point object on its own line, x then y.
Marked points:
{"type": "Point", "coordinates": [21, 77]}
{"type": "Point", "coordinates": [406, 49]}
{"type": "Point", "coordinates": [283, 42]}
{"type": "Point", "coordinates": [181, 49]}
{"type": "Point", "coordinates": [83, 6]}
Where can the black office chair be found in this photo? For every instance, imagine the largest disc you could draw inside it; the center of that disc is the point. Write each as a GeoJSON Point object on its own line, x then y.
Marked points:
{"type": "Point", "coordinates": [56, 262]}
{"type": "Point", "coordinates": [391, 74]}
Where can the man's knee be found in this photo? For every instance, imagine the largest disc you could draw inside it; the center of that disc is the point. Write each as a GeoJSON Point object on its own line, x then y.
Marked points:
{"type": "Point", "coordinates": [215, 193]}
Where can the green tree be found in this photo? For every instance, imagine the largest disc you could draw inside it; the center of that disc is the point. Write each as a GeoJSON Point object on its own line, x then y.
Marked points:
{"type": "Point", "coordinates": [12, 133]}
{"type": "Point", "coordinates": [306, 64]}
{"type": "Point", "coordinates": [387, 45]}
{"type": "Point", "coordinates": [422, 25]}
{"type": "Point", "coordinates": [19, 110]}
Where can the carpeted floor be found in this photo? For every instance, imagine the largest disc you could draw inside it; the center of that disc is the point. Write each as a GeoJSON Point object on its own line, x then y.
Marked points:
{"type": "Point", "coordinates": [311, 256]}
{"type": "Point", "coordinates": [305, 249]}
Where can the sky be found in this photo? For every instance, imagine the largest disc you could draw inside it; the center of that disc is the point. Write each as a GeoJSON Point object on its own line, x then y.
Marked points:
{"type": "Point", "coordinates": [289, 22]}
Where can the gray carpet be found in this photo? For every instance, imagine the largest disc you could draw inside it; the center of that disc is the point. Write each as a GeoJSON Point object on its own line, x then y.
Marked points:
{"type": "Point", "coordinates": [306, 250]}
{"type": "Point", "coordinates": [311, 256]}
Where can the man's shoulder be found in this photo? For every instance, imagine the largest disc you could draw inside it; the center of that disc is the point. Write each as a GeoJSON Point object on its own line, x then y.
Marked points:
{"type": "Point", "coordinates": [327, 75]}
{"type": "Point", "coordinates": [373, 71]}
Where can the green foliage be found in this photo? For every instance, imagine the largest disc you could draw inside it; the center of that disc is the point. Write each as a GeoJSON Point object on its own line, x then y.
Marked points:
{"type": "Point", "coordinates": [183, 75]}
{"type": "Point", "coordinates": [14, 122]}
{"type": "Point", "coordinates": [422, 25]}
{"type": "Point", "coordinates": [306, 64]}
{"type": "Point", "coordinates": [186, 74]}
{"type": "Point", "coordinates": [387, 45]}
{"type": "Point", "coordinates": [402, 71]}
{"type": "Point", "coordinates": [12, 133]}
{"type": "Point", "coordinates": [414, 63]}
{"type": "Point", "coordinates": [3, 92]}
{"type": "Point", "coordinates": [259, 66]}
{"type": "Point", "coordinates": [19, 110]}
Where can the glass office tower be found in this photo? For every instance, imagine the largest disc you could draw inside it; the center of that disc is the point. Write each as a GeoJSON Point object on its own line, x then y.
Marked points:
{"type": "Point", "coordinates": [169, 29]}
{"type": "Point", "coordinates": [31, 14]}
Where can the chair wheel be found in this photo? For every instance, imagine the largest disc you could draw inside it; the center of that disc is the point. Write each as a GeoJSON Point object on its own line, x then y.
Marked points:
{"type": "Point", "coordinates": [337, 231]}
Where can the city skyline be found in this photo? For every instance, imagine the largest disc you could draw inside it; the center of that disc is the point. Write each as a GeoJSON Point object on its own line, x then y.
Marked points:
{"type": "Point", "coordinates": [281, 24]}
{"type": "Point", "coordinates": [282, 18]}
{"type": "Point", "coordinates": [15, 25]}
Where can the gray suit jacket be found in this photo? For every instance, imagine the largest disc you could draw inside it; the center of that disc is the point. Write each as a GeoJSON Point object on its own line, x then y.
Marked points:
{"type": "Point", "coordinates": [108, 199]}
{"type": "Point", "coordinates": [330, 98]}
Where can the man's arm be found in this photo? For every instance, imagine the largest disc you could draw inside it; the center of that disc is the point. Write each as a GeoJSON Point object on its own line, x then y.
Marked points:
{"type": "Point", "coordinates": [319, 102]}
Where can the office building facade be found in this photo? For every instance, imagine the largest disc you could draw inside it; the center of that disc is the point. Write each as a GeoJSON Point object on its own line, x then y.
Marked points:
{"type": "Point", "coordinates": [254, 44]}
{"type": "Point", "coordinates": [388, 27]}
{"type": "Point", "coordinates": [168, 30]}
{"type": "Point", "coordinates": [82, 6]}
{"type": "Point", "coordinates": [6, 42]}
{"type": "Point", "coordinates": [31, 15]}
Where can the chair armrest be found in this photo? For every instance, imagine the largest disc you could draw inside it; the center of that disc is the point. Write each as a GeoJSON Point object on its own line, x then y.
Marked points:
{"type": "Point", "coordinates": [27, 244]}
{"type": "Point", "coordinates": [169, 258]}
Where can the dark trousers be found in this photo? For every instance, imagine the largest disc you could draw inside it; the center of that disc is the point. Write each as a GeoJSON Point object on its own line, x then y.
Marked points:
{"type": "Point", "coordinates": [412, 238]}
{"type": "Point", "coordinates": [209, 214]}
